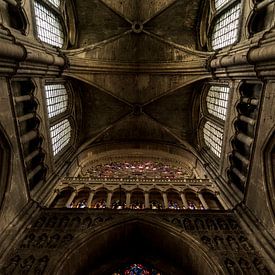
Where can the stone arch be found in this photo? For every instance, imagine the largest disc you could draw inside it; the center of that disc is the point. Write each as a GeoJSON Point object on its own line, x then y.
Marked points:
{"type": "Point", "coordinates": [62, 197]}
{"type": "Point", "coordinates": [269, 162]}
{"type": "Point", "coordinates": [154, 241]}
{"type": "Point", "coordinates": [5, 159]}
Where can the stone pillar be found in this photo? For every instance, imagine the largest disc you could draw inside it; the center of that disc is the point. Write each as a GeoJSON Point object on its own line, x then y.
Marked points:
{"type": "Point", "coordinates": [184, 201]}
{"type": "Point", "coordinates": [218, 196]}
{"type": "Point", "coordinates": [146, 200]}
{"type": "Point", "coordinates": [128, 199]}
{"type": "Point", "coordinates": [203, 202]}
{"type": "Point", "coordinates": [52, 198]}
{"type": "Point", "coordinates": [165, 200]}
{"type": "Point", "coordinates": [109, 199]}
{"type": "Point", "coordinates": [29, 136]}
{"type": "Point", "coordinates": [90, 199]}
{"type": "Point", "coordinates": [71, 198]}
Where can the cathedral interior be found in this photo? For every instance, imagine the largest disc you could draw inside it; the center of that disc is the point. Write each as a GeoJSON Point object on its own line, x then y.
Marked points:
{"type": "Point", "coordinates": [137, 137]}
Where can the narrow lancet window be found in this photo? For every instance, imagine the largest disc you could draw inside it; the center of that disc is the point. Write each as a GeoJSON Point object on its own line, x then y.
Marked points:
{"type": "Point", "coordinates": [216, 100]}
{"type": "Point", "coordinates": [213, 136]}
{"type": "Point", "coordinates": [60, 135]}
{"type": "Point", "coordinates": [226, 28]}
{"type": "Point", "coordinates": [57, 99]}
{"type": "Point", "coordinates": [48, 25]}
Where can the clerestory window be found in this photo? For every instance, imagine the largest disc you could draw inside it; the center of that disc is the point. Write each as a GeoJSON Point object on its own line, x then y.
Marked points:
{"type": "Point", "coordinates": [48, 22]}
{"type": "Point", "coordinates": [214, 113]}
{"type": "Point", "coordinates": [226, 22]}
{"type": "Point", "coordinates": [216, 101]}
{"type": "Point", "coordinates": [57, 100]}
{"type": "Point", "coordinates": [213, 136]}
{"type": "Point", "coordinates": [60, 135]}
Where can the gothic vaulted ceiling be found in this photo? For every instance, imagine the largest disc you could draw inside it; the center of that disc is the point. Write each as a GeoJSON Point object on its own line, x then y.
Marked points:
{"type": "Point", "coordinates": [139, 69]}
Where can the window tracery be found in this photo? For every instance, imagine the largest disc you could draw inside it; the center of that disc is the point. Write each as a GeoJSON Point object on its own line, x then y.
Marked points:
{"type": "Point", "coordinates": [60, 135]}
{"type": "Point", "coordinates": [226, 23]}
{"type": "Point", "coordinates": [137, 269]}
{"type": "Point", "coordinates": [214, 109]}
{"type": "Point", "coordinates": [213, 136]}
{"type": "Point", "coordinates": [57, 101]}
{"type": "Point", "coordinates": [220, 3]}
{"type": "Point", "coordinates": [48, 23]}
{"type": "Point", "coordinates": [217, 98]}
{"type": "Point", "coordinates": [138, 169]}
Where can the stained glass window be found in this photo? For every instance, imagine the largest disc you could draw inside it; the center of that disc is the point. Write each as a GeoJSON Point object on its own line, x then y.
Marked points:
{"type": "Point", "coordinates": [137, 269]}
{"type": "Point", "coordinates": [213, 136]}
{"type": "Point", "coordinates": [49, 28]}
{"type": "Point", "coordinates": [138, 169]}
{"type": "Point", "coordinates": [226, 28]}
{"type": "Point", "coordinates": [216, 101]}
{"type": "Point", "coordinates": [60, 135]}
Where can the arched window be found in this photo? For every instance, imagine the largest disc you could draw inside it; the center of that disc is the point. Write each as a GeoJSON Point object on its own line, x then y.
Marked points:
{"type": "Point", "coordinates": [213, 136]}
{"type": "Point", "coordinates": [49, 26]}
{"type": "Point", "coordinates": [60, 135]}
{"type": "Point", "coordinates": [226, 22]}
{"type": "Point", "coordinates": [216, 100]}
{"type": "Point", "coordinates": [57, 100]}
{"type": "Point", "coordinates": [214, 110]}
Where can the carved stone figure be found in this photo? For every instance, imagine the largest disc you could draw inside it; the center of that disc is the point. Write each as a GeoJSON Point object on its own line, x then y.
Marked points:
{"type": "Point", "coordinates": [27, 264]}
{"type": "Point", "coordinates": [10, 268]}
{"type": "Point", "coordinates": [188, 224]}
{"type": "Point", "coordinates": [219, 243]}
{"type": "Point", "coordinates": [67, 239]}
{"type": "Point", "coordinates": [75, 222]}
{"type": "Point", "coordinates": [232, 243]}
{"type": "Point", "coordinates": [41, 265]}
{"type": "Point", "coordinates": [233, 224]}
{"type": "Point", "coordinates": [41, 241]}
{"type": "Point", "coordinates": [53, 242]}
{"type": "Point", "coordinates": [98, 220]}
{"type": "Point", "coordinates": [245, 266]}
{"type": "Point", "coordinates": [245, 244]}
{"type": "Point", "coordinates": [199, 224]}
{"type": "Point", "coordinates": [207, 241]}
{"type": "Point", "coordinates": [51, 222]}
{"type": "Point", "coordinates": [27, 242]}
{"type": "Point", "coordinates": [39, 223]}
{"type": "Point", "coordinates": [262, 269]}
{"type": "Point", "coordinates": [222, 224]}
{"type": "Point", "coordinates": [86, 222]}
{"type": "Point", "coordinates": [64, 222]}
{"type": "Point", "coordinates": [231, 267]}
{"type": "Point", "coordinates": [211, 225]}
{"type": "Point", "coordinates": [176, 221]}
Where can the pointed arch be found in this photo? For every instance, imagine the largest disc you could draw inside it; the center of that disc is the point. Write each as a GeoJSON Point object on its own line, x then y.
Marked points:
{"type": "Point", "coordinates": [176, 253]}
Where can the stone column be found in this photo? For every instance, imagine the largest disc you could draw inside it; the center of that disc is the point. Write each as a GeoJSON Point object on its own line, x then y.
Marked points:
{"type": "Point", "coordinates": [90, 199]}
{"type": "Point", "coordinates": [52, 198]}
{"type": "Point", "coordinates": [184, 201]}
{"type": "Point", "coordinates": [109, 199]}
{"type": "Point", "coordinates": [71, 198]}
{"type": "Point", "coordinates": [165, 200]}
{"type": "Point", "coordinates": [128, 199]}
{"type": "Point", "coordinates": [203, 202]}
{"type": "Point", "coordinates": [218, 196]}
{"type": "Point", "coordinates": [146, 200]}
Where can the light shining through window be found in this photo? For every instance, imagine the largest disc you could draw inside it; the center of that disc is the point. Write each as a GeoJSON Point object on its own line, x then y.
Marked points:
{"type": "Point", "coordinates": [57, 99]}
{"type": "Point", "coordinates": [48, 25]}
